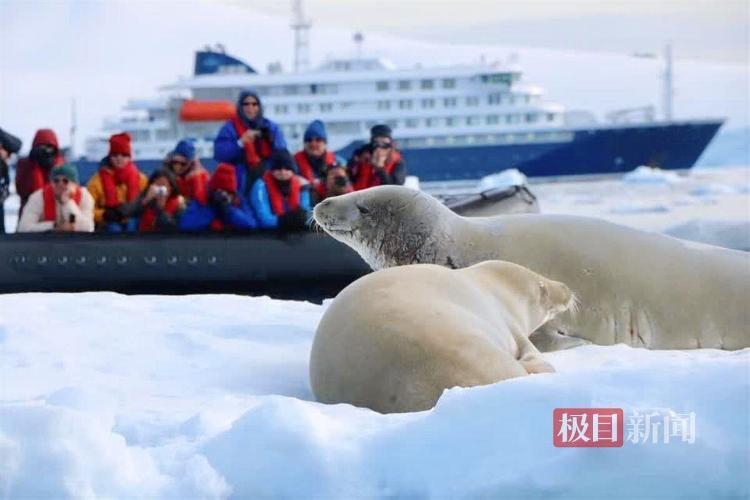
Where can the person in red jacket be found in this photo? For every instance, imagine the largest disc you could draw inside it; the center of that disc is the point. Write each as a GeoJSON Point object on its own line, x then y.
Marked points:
{"type": "Point", "coordinates": [377, 162]}
{"type": "Point", "coordinates": [191, 177]}
{"type": "Point", "coordinates": [314, 160]}
{"type": "Point", "coordinates": [32, 172]}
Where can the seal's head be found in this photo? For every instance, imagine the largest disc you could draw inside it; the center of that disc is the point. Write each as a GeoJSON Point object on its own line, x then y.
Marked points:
{"type": "Point", "coordinates": [388, 225]}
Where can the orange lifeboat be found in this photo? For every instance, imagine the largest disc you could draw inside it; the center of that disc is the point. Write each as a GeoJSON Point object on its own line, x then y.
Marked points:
{"type": "Point", "coordinates": [206, 111]}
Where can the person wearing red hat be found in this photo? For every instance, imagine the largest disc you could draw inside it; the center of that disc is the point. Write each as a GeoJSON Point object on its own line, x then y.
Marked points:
{"type": "Point", "coordinates": [118, 182]}
{"type": "Point", "coordinates": [32, 172]}
{"type": "Point", "coordinates": [226, 209]}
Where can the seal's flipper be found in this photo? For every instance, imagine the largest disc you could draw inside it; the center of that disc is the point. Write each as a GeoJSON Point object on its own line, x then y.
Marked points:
{"type": "Point", "coordinates": [530, 357]}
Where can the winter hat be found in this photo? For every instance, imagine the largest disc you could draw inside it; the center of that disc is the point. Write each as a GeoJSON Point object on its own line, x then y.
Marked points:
{"type": "Point", "coordinates": [241, 114]}
{"type": "Point", "coordinates": [185, 148]}
{"type": "Point", "coordinates": [120, 143]}
{"type": "Point", "coordinates": [45, 136]}
{"type": "Point", "coordinates": [67, 170]}
{"type": "Point", "coordinates": [281, 158]}
{"type": "Point", "coordinates": [316, 130]}
{"type": "Point", "coordinates": [9, 142]}
{"type": "Point", "coordinates": [224, 178]}
{"type": "Point", "coordinates": [380, 130]}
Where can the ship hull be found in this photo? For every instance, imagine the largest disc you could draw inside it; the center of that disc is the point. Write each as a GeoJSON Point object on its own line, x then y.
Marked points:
{"type": "Point", "coordinates": [594, 151]}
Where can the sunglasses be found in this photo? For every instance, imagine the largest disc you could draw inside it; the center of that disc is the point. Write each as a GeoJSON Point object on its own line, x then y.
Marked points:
{"type": "Point", "coordinates": [382, 145]}
{"type": "Point", "coordinates": [58, 180]}
{"type": "Point", "coordinates": [179, 163]}
{"type": "Point", "coordinates": [251, 103]}
{"type": "Point", "coordinates": [316, 139]}
{"type": "Point", "coordinates": [120, 154]}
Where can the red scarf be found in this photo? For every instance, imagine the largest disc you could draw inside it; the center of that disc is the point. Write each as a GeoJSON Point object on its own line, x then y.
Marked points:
{"type": "Point", "coordinates": [127, 175]}
{"type": "Point", "coordinates": [193, 186]}
{"type": "Point", "coordinates": [50, 204]}
{"type": "Point", "coordinates": [366, 177]}
{"type": "Point", "coordinates": [30, 176]}
{"type": "Point", "coordinates": [255, 151]}
{"type": "Point", "coordinates": [148, 219]}
{"type": "Point", "coordinates": [277, 199]}
{"type": "Point", "coordinates": [305, 169]}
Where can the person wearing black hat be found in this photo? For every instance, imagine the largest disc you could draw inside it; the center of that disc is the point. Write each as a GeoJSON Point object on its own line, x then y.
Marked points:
{"type": "Point", "coordinates": [9, 145]}
{"type": "Point", "coordinates": [61, 205]}
{"type": "Point", "coordinates": [281, 198]}
{"type": "Point", "coordinates": [378, 162]}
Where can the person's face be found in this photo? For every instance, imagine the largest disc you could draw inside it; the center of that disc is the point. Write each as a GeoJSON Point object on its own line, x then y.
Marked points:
{"type": "Point", "coordinates": [60, 185]}
{"type": "Point", "coordinates": [4, 155]}
{"type": "Point", "coordinates": [179, 164]}
{"type": "Point", "coordinates": [282, 174]}
{"type": "Point", "coordinates": [251, 107]}
{"type": "Point", "coordinates": [315, 147]}
{"type": "Point", "coordinates": [382, 143]}
{"type": "Point", "coordinates": [119, 160]}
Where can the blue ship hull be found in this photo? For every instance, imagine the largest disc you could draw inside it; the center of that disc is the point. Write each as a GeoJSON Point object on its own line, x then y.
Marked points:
{"type": "Point", "coordinates": [595, 151]}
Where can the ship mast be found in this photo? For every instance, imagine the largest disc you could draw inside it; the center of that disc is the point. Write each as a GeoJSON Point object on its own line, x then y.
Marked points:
{"type": "Point", "coordinates": [301, 27]}
{"type": "Point", "coordinates": [668, 87]}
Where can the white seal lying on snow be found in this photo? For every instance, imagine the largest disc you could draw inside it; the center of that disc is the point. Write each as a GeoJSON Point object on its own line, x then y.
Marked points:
{"type": "Point", "coordinates": [642, 289]}
{"type": "Point", "coordinates": [393, 340]}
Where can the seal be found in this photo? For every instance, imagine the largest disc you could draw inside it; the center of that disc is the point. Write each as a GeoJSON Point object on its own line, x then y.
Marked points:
{"type": "Point", "coordinates": [393, 340]}
{"type": "Point", "coordinates": [634, 287]}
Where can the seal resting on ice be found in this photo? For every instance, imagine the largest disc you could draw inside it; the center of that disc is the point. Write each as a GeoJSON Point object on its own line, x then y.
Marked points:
{"type": "Point", "coordinates": [634, 287]}
{"type": "Point", "coordinates": [393, 340]}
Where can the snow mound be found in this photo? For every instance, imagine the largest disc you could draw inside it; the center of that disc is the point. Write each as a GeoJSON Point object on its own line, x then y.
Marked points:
{"type": "Point", "coordinates": [735, 235]}
{"type": "Point", "coordinates": [640, 208]}
{"type": "Point", "coordinates": [504, 179]}
{"type": "Point", "coordinates": [714, 189]}
{"type": "Point", "coordinates": [650, 175]}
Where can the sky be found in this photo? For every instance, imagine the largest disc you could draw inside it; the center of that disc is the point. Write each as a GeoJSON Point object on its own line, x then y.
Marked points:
{"type": "Point", "coordinates": [103, 53]}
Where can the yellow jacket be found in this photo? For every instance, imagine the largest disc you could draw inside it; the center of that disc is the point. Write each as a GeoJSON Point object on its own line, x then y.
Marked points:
{"type": "Point", "coordinates": [96, 189]}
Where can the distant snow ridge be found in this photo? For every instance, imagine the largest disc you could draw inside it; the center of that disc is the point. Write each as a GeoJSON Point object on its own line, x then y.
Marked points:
{"type": "Point", "coordinates": [734, 235]}
{"type": "Point", "coordinates": [504, 179]}
{"type": "Point", "coordinates": [650, 175]}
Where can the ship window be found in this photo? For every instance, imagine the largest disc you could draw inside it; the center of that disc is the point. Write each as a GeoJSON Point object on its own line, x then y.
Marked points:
{"type": "Point", "coordinates": [531, 117]}
{"type": "Point", "coordinates": [472, 120]}
{"type": "Point", "coordinates": [450, 122]}
{"type": "Point", "coordinates": [430, 122]}
{"type": "Point", "coordinates": [550, 117]}
{"type": "Point", "coordinates": [382, 86]}
{"type": "Point", "coordinates": [392, 123]}
{"type": "Point", "coordinates": [412, 123]}
{"type": "Point", "coordinates": [163, 135]}
{"type": "Point", "coordinates": [384, 105]}
{"type": "Point", "coordinates": [303, 108]}
{"type": "Point", "coordinates": [428, 103]}
{"type": "Point", "coordinates": [472, 101]}
{"type": "Point", "coordinates": [449, 83]}
{"type": "Point", "coordinates": [404, 104]}
{"type": "Point", "coordinates": [280, 109]}
{"type": "Point", "coordinates": [404, 85]}
{"type": "Point", "coordinates": [492, 119]}
{"type": "Point", "coordinates": [326, 106]}
{"type": "Point", "coordinates": [494, 99]}
{"type": "Point", "coordinates": [313, 88]}
{"type": "Point", "coordinates": [290, 90]}
{"type": "Point", "coordinates": [449, 102]}
{"type": "Point", "coordinates": [343, 127]}
{"type": "Point", "coordinates": [427, 84]}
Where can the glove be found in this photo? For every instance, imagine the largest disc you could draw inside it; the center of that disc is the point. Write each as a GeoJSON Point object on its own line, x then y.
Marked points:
{"type": "Point", "coordinates": [220, 199]}
{"type": "Point", "coordinates": [293, 221]}
{"type": "Point", "coordinates": [112, 215]}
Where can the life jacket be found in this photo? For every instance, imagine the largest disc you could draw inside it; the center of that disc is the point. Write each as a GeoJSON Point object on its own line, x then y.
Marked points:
{"type": "Point", "coordinates": [366, 173]}
{"type": "Point", "coordinates": [50, 204]}
{"type": "Point", "coordinates": [148, 219]}
{"type": "Point", "coordinates": [256, 151]}
{"type": "Point", "coordinates": [193, 186]}
{"type": "Point", "coordinates": [111, 176]}
{"type": "Point", "coordinates": [277, 198]}
{"type": "Point", "coordinates": [305, 168]}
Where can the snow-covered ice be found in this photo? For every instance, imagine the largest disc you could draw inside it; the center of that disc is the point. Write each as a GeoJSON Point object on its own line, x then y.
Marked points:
{"type": "Point", "coordinates": [105, 395]}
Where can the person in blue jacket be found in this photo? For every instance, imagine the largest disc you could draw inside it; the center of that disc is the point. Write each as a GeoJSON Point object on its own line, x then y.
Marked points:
{"type": "Point", "coordinates": [247, 140]}
{"type": "Point", "coordinates": [225, 210]}
{"type": "Point", "coordinates": [281, 198]}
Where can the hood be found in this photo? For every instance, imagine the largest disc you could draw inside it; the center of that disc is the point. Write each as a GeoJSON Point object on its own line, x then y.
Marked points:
{"type": "Point", "coordinates": [45, 136]}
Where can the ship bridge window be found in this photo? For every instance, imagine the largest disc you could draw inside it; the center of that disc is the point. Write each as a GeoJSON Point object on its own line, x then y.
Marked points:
{"type": "Point", "coordinates": [382, 105]}
{"type": "Point", "coordinates": [449, 102]}
{"type": "Point", "coordinates": [428, 103]}
{"type": "Point", "coordinates": [472, 101]}
{"type": "Point", "coordinates": [404, 104]}
{"type": "Point", "coordinates": [382, 86]}
{"type": "Point", "coordinates": [505, 78]}
{"type": "Point", "coordinates": [427, 84]}
{"type": "Point", "coordinates": [449, 83]}
{"type": "Point", "coordinates": [404, 85]}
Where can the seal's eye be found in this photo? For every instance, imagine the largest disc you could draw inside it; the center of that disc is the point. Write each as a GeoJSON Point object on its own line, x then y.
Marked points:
{"type": "Point", "coordinates": [363, 210]}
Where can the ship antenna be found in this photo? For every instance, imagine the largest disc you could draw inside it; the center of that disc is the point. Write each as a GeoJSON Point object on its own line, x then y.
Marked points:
{"type": "Point", "coordinates": [358, 39]}
{"type": "Point", "coordinates": [73, 127]}
{"type": "Point", "coordinates": [301, 27]}
{"type": "Point", "coordinates": [668, 87]}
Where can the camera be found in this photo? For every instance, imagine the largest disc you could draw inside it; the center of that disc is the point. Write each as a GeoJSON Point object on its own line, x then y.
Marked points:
{"type": "Point", "coordinates": [339, 181]}
{"type": "Point", "coordinates": [161, 190]}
